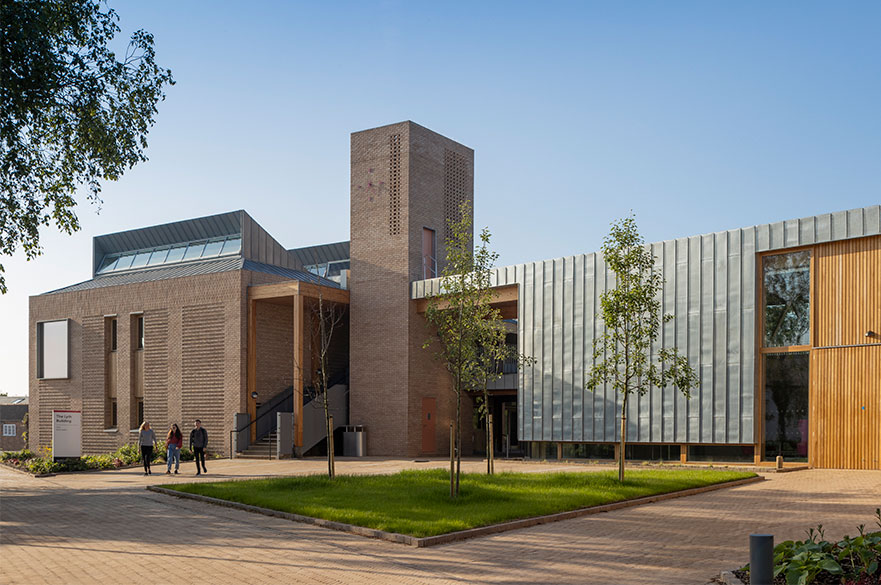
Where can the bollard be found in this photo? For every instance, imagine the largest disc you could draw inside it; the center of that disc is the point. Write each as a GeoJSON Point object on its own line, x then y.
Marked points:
{"type": "Point", "coordinates": [761, 559]}
{"type": "Point", "coordinates": [779, 462]}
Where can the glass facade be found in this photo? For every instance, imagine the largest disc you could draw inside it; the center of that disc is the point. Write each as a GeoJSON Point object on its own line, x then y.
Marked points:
{"type": "Point", "coordinates": [162, 255]}
{"type": "Point", "coordinates": [787, 283]}
{"type": "Point", "coordinates": [786, 405]}
{"type": "Point", "coordinates": [328, 269]}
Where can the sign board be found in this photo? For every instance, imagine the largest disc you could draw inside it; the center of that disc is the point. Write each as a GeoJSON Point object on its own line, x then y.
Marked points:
{"type": "Point", "coordinates": [67, 433]}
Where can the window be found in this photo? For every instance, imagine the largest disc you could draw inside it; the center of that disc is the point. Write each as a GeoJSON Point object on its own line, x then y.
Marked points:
{"type": "Point", "coordinates": [141, 259]}
{"type": "Point", "coordinates": [124, 262]}
{"type": "Point", "coordinates": [140, 411]}
{"type": "Point", "coordinates": [113, 336]}
{"type": "Point", "coordinates": [429, 253]}
{"type": "Point", "coordinates": [170, 254]}
{"type": "Point", "coordinates": [9, 430]}
{"type": "Point", "coordinates": [785, 363]}
{"type": "Point", "coordinates": [786, 405]}
{"type": "Point", "coordinates": [158, 257]}
{"type": "Point", "coordinates": [140, 344]}
{"type": "Point", "coordinates": [232, 246]}
{"type": "Point", "coordinates": [786, 281]}
{"type": "Point", "coordinates": [176, 254]}
{"type": "Point", "coordinates": [113, 420]}
{"type": "Point", "coordinates": [212, 249]}
{"type": "Point", "coordinates": [52, 350]}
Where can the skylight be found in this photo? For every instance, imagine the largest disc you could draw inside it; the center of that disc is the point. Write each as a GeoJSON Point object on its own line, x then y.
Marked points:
{"type": "Point", "coordinates": [174, 254]}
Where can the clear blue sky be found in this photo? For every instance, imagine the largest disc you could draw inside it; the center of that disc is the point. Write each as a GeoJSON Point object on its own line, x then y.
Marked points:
{"type": "Point", "coordinates": [699, 116]}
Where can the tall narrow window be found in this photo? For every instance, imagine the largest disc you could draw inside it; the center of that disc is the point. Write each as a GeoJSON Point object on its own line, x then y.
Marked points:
{"type": "Point", "coordinates": [429, 253]}
{"type": "Point", "coordinates": [110, 362]}
{"type": "Point", "coordinates": [786, 338]}
{"type": "Point", "coordinates": [140, 344]}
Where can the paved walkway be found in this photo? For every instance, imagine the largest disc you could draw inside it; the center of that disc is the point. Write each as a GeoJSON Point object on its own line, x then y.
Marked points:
{"type": "Point", "coordinates": [105, 528]}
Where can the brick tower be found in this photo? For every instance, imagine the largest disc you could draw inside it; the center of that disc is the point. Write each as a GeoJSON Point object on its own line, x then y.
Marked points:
{"type": "Point", "coordinates": [407, 182]}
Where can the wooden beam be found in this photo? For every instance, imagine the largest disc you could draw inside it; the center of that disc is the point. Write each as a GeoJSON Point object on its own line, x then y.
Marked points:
{"type": "Point", "coordinates": [252, 364]}
{"type": "Point", "coordinates": [333, 295]}
{"type": "Point", "coordinates": [503, 296]}
{"type": "Point", "coordinates": [299, 364]}
{"type": "Point", "coordinates": [272, 291]}
{"type": "Point", "coordinates": [293, 288]}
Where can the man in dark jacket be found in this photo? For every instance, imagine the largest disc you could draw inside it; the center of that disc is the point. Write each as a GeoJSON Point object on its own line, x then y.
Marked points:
{"type": "Point", "coordinates": [198, 443]}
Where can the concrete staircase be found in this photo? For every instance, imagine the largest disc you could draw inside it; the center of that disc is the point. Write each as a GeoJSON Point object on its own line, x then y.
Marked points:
{"type": "Point", "coordinates": [260, 449]}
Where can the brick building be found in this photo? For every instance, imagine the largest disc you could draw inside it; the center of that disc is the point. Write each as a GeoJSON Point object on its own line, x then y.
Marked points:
{"type": "Point", "coordinates": [13, 410]}
{"type": "Point", "coordinates": [213, 318]}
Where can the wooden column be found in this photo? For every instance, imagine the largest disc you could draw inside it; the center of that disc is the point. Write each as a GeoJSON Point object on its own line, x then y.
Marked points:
{"type": "Point", "coordinates": [252, 364]}
{"type": "Point", "coordinates": [299, 364]}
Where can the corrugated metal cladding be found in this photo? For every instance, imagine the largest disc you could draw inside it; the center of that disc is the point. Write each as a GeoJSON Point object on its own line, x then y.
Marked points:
{"type": "Point", "coordinates": [710, 289]}
{"type": "Point", "coordinates": [312, 255]}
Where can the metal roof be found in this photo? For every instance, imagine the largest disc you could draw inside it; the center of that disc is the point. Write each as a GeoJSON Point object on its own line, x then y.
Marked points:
{"type": "Point", "coordinates": [290, 273]}
{"type": "Point", "coordinates": [320, 254]}
{"type": "Point", "coordinates": [193, 269]}
{"type": "Point", "coordinates": [153, 274]}
{"type": "Point", "coordinates": [212, 226]}
{"type": "Point", "coordinates": [12, 400]}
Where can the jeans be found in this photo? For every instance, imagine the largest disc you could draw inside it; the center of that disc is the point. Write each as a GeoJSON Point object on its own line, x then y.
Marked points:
{"type": "Point", "coordinates": [173, 456]}
{"type": "Point", "coordinates": [199, 453]}
{"type": "Point", "coordinates": [146, 456]}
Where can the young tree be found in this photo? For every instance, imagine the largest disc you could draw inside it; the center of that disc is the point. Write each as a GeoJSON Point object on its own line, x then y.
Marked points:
{"type": "Point", "coordinates": [632, 315]}
{"type": "Point", "coordinates": [329, 318]}
{"type": "Point", "coordinates": [458, 313]}
{"type": "Point", "coordinates": [493, 351]}
{"type": "Point", "coordinates": [71, 112]}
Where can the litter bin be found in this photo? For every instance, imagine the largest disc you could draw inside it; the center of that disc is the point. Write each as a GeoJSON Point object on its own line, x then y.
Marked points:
{"type": "Point", "coordinates": [354, 441]}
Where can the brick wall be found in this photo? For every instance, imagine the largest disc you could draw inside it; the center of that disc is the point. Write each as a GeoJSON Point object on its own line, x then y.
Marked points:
{"type": "Point", "coordinates": [399, 185]}
{"type": "Point", "coordinates": [275, 348]}
{"type": "Point", "coordinates": [194, 356]}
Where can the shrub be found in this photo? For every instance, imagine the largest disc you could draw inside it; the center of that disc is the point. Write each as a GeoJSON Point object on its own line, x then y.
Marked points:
{"type": "Point", "coordinates": [130, 454]}
{"type": "Point", "coordinates": [22, 455]}
{"type": "Point", "coordinates": [851, 561]}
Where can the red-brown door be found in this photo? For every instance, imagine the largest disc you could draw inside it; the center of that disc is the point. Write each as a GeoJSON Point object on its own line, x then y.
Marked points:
{"type": "Point", "coordinates": [429, 411]}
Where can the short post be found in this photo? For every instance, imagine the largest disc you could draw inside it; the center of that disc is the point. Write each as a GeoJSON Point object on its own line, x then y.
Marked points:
{"type": "Point", "coordinates": [491, 463]}
{"type": "Point", "coordinates": [779, 462]}
{"type": "Point", "coordinates": [330, 448]}
{"type": "Point", "coordinates": [761, 559]}
{"type": "Point", "coordinates": [452, 459]}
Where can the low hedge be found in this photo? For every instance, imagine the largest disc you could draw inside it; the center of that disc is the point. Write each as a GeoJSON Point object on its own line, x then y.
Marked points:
{"type": "Point", "coordinates": [42, 463]}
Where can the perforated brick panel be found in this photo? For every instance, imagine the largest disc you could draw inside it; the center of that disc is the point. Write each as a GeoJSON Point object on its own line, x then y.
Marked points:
{"type": "Point", "coordinates": [394, 202]}
{"type": "Point", "coordinates": [455, 188]}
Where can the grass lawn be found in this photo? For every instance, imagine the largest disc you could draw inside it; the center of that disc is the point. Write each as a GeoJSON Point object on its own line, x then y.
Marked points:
{"type": "Point", "coordinates": [418, 502]}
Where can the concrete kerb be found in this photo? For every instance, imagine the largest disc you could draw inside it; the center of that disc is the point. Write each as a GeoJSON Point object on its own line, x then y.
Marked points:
{"type": "Point", "coordinates": [728, 578]}
{"type": "Point", "coordinates": [462, 534]}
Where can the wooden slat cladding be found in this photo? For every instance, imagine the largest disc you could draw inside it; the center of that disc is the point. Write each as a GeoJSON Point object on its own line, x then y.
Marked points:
{"type": "Point", "coordinates": [202, 345]}
{"type": "Point", "coordinates": [845, 417]}
{"type": "Point", "coordinates": [156, 369]}
{"type": "Point", "coordinates": [848, 292]}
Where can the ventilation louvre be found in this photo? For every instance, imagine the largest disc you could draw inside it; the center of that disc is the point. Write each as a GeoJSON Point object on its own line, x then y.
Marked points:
{"type": "Point", "coordinates": [455, 192]}
{"type": "Point", "coordinates": [394, 202]}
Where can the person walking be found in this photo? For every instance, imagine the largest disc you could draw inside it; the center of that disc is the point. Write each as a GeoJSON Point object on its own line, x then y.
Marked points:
{"type": "Point", "coordinates": [173, 443]}
{"type": "Point", "coordinates": [146, 441]}
{"type": "Point", "coordinates": [198, 443]}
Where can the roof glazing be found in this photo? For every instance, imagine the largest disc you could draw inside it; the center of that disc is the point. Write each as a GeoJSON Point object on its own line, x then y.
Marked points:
{"type": "Point", "coordinates": [173, 254]}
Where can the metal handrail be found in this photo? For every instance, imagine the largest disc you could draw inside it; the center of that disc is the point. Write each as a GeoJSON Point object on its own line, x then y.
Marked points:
{"type": "Point", "coordinates": [278, 399]}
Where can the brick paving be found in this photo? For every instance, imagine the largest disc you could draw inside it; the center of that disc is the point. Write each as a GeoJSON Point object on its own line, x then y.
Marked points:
{"type": "Point", "coordinates": [105, 528]}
